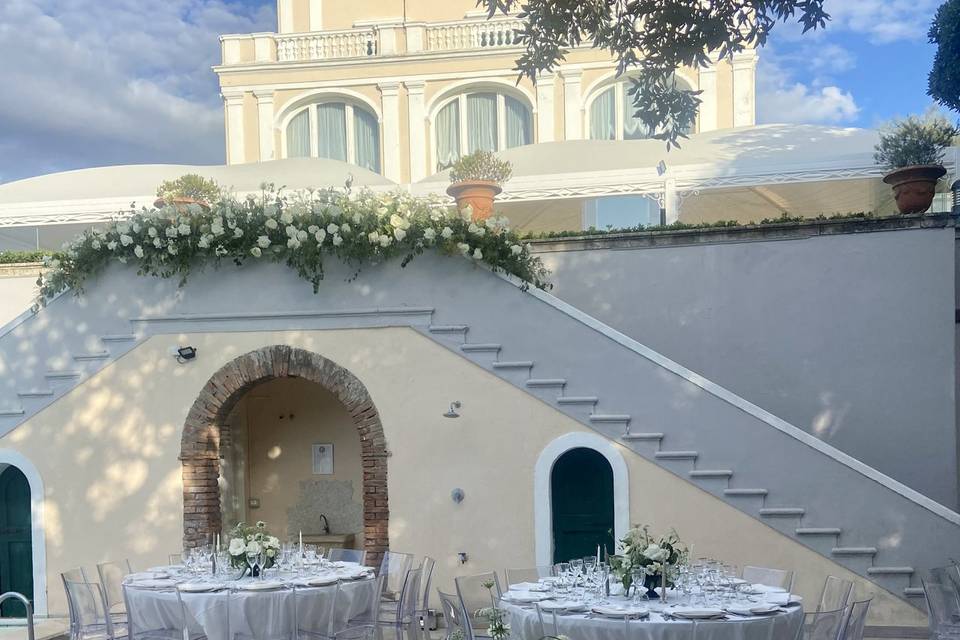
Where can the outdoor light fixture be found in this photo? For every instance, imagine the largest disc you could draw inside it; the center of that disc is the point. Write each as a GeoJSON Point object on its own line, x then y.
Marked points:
{"type": "Point", "coordinates": [185, 354]}
{"type": "Point", "coordinates": [452, 412]}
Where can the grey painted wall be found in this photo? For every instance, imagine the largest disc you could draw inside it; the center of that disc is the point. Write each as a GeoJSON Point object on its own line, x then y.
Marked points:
{"type": "Point", "coordinates": [849, 337]}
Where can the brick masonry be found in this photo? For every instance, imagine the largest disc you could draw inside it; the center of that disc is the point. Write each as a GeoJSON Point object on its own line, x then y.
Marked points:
{"type": "Point", "coordinates": [206, 427]}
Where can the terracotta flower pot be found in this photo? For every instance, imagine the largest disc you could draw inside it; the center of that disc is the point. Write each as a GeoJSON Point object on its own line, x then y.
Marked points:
{"type": "Point", "coordinates": [479, 194]}
{"type": "Point", "coordinates": [181, 204]}
{"type": "Point", "coordinates": [914, 186]}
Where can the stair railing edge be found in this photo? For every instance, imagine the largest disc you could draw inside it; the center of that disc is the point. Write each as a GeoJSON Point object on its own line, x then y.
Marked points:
{"type": "Point", "coordinates": [733, 399]}
{"type": "Point", "coordinates": [26, 315]}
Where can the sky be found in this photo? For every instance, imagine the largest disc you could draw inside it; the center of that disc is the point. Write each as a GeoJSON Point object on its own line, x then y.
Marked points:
{"type": "Point", "coordinates": [100, 82]}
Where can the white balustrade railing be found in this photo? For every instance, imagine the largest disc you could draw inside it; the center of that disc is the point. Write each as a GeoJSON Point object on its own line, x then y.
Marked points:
{"type": "Point", "coordinates": [472, 34]}
{"type": "Point", "coordinates": [327, 45]}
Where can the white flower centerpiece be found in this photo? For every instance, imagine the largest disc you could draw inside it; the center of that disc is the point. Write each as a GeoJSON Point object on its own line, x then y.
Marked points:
{"type": "Point", "coordinates": [247, 540]}
{"type": "Point", "coordinates": [655, 558]}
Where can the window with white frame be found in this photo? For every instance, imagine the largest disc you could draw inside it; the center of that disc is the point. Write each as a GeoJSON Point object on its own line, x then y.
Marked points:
{"type": "Point", "coordinates": [336, 130]}
{"type": "Point", "coordinates": [486, 120]}
{"type": "Point", "coordinates": [612, 115]}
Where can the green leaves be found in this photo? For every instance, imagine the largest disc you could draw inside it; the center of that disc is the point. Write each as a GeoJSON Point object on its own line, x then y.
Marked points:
{"type": "Point", "coordinates": [481, 165]}
{"type": "Point", "coordinates": [654, 37]}
{"type": "Point", "coordinates": [944, 80]}
{"type": "Point", "coordinates": [914, 140]}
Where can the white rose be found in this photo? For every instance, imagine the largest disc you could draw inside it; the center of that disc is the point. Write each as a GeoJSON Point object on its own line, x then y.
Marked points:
{"type": "Point", "coordinates": [345, 228]}
{"type": "Point", "coordinates": [274, 542]}
{"type": "Point", "coordinates": [337, 240]}
{"type": "Point", "coordinates": [357, 219]}
{"type": "Point", "coordinates": [263, 242]}
{"type": "Point", "coordinates": [271, 223]}
{"type": "Point", "coordinates": [286, 217]}
{"type": "Point", "coordinates": [656, 553]}
{"type": "Point", "coordinates": [373, 237]}
{"type": "Point", "coordinates": [382, 210]}
{"type": "Point", "coordinates": [446, 233]}
{"type": "Point", "coordinates": [203, 242]}
{"type": "Point", "coordinates": [312, 229]}
{"type": "Point", "coordinates": [291, 231]}
{"type": "Point", "coordinates": [253, 547]}
{"type": "Point", "coordinates": [516, 249]}
{"type": "Point", "coordinates": [152, 232]}
{"type": "Point", "coordinates": [429, 234]}
{"type": "Point", "coordinates": [157, 242]}
{"type": "Point", "coordinates": [171, 232]}
{"type": "Point", "coordinates": [126, 240]}
{"type": "Point", "coordinates": [293, 243]}
{"type": "Point", "coordinates": [467, 213]}
{"type": "Point", "coordinates": [477, 254]}
{"type": "Point", "coordinates": [399, 234]}
{"type": "Point", "coordinates": [216, 229]}
{"type": "Point", "coordinates": [184, 229]}
{"type": "Point", "coordinates": [464, 247]}
{"type": "Point", "coordinates": [112, 245]}
{"type": "Point", "coordinates": [123, 227]}
{"type": "Point", "coordinates": [385, 240]}
{"type": "Point", "coordinates": [95, 243]}
{"type": "Point", "coordinates": [332, 228]}
{"type": "Point", "coordinates": [271, 553]}
{"type": "Point", "coordinates": [172, 249]}
{"type": "Point", "coordinates": [237, 547]}
{"type": "Point", "coordinates": [320, 235]}
{"type": "Point", "coordinates": [399, 222]}
{"type": "Point", "coordinates": [138, 251]}
{"type": "Point", "coordinates": [302, 235]}
{"type": "Point", "coordinates": [238, 232]}
{"type": "Point", "coordinates": [136, 227]}
{"type": "Point", "coordinates": [256, 252]}
{"type": "Point", "coordinates": [270, 210]}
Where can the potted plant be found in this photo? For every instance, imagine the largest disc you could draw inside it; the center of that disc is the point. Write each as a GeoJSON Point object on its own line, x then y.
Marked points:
{"type": "Point", "coordinates": [186, 190]}
{"type": "Point", "coordinates": [913, 149]}
{"type": "Point", "coordinates": [475, 181]}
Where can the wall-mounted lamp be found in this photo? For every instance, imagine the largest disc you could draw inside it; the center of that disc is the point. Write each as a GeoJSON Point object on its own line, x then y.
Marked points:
{"type": "Point", "coordinates": [452, 412]}
{"type": "Point", "coordinates": [457, 495]}
{"type": "Point", "coordinates": [184, 354]}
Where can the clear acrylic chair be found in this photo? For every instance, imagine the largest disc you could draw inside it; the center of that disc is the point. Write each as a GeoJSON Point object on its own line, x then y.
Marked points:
{"type": "Point", "coordinates": [836, 592]}
{"type": "Point", "coordinates": [348, 555]}
{"type": "Point", "coordinates": [823, 625]}
{"type": "Point", "coordinates": [161, 627]}
{"type": "Point", "coordinates": [532, 574]}
{"type": "Point", "coordinates": [314, 609]}
{"type": "Point", "coordinates": [175, 559]}
{"type": "Point", "coordinates": [856, 620]}
{"type": "Point", "coordinates": [426, 582]}
{"type": "Point", "coordinates": [268, 616]}
{"type": "Point", "coordinates": [943, 603]}
{"type": "Point", "coordinates": [111, 580]}
{"type": "Point", "coordinates": [403, 618]}
{"type": "Point", "coordinates": [86, 601]}
{"type": "Point", "coordinates": [353, 621]}
{"type": "Point", "coordinates": [74, 575]}
{"type": "Point", "coordinates": [474, 597]}
{"type": "Point", "coordinates": [393, 568]}
{"type": "Point", "coordinates": [770, 577]}
{"type": "Point", "coordinates": [546, 622]}
{"type": "Point", "coordinates": [452, 615]}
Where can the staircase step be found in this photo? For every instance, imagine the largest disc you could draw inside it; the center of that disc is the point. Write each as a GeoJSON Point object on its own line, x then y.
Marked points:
{"type": "Point", "coordinates": [782, 512]}
{"type": "Point", "coordinates": [62, 375]}
{"type": "Point", "coordinates": [711, 473]}
{"type": "Point", "coordinates": [900, 571]}
{"type": "Point", "coordinates": [518, 364]}
{"type": "Point", "coordinates": [739, 493]}
{"type": "Point", "coordinates": [578, 400]}
{"type": "Point", "coordinates": [10, 413]}
{"type": "Point", "coordinates": [480, 348]}
{"type": "Point", "coordinates": [642, 436]}
{"type": "Point", "coordinates": [447, 328]}
{"type": "Point", "coordinates": [854, 551]}
{"type": "Point", "coordinates": [818, 531]}
{"type": "Point", "coordinates": [36, 393]}
{"type": "Point", "coordinates": [608, 418]}
{"type": "Point", "coordinates": [94, 355]}
{"type": "Point", "coordinates": [119, 337]}
{"type": "Point", "coordinates": [914, 592]}
{"type": "Point", "coordinates": [537, 383]}
{"type": "Point", "coordinates": [676, 455]}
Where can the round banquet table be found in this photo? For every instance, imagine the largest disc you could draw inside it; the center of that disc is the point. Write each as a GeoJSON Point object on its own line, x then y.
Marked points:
{"type": "Point", "coordinates": [525, 625]}
{"type": "Point", "coordinates": [222, 614]}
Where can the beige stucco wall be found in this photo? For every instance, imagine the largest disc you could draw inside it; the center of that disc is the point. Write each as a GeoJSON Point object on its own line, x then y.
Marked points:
{"type": "Point", "coordinates": [108, 451]}
{"type": "Point", "coordinates": [285, 418]}
{"type": "Point", "coordinates": [16, 295]}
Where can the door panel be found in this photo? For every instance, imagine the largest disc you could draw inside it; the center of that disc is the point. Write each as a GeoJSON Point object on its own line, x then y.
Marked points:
{"type": "Point", "coordinates": [581, 491]}
{"type": "Point", "coordinates": [16, 551]}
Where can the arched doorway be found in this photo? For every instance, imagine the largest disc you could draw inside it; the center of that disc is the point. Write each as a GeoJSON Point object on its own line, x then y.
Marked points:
{"type": "Point", "coordinates": [208, 425]}
{"type": "Point", "coordinates": [16, 546]}
{"type": "Point", "coordinates": [581, 492]}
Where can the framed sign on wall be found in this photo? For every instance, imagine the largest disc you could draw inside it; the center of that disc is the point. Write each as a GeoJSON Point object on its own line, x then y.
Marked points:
{"type": "Point", "coordinates": [323, 459]}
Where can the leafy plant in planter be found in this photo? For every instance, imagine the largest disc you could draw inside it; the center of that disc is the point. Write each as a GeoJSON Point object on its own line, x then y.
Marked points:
{"type": "Point", "coordinates": [913, 150]}
{"type": "Point", "coordinates": [189, 189]}
{"type": "Point", "coordinates": [475, 182]}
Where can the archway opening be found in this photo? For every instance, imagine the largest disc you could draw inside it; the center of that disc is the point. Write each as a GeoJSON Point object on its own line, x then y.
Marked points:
{"type": "Point", "coordinates": [16, 540]}
{"type": "Point", "coordinates": [582, 504]}
{"type": "Point", "coordinates": [207, 443]}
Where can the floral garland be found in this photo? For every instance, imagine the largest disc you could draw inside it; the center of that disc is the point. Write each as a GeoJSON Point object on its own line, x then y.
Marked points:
{"type": "Point", "coordinates": [299, 229]}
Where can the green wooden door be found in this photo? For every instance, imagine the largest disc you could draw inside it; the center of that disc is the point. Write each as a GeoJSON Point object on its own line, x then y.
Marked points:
{"type": "Point", "coordinates": [16, 551]}
{"type": "Point", "coordinates": [581, 490]}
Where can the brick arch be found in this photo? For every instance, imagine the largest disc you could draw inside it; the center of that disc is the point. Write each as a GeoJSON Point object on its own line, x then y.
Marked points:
{"type": "Point", "coordinates": [205, 427]}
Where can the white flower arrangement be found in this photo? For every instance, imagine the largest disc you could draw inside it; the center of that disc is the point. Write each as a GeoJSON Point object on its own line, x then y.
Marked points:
{"type": "Point", "coordinates": [247, 540]}
{"type": "Point", "coordinates": [299, 229]}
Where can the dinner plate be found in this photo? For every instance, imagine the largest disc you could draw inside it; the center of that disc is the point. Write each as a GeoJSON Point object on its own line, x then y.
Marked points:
{"type": "Point", "coordinates": [751, 609]}
{"type": "Point", "coordinates": [148, 575]}
{"type": "Point", "coordinates": [524, 597]}
{"type": "Point", "coordinates": [529, 586]}
{"type": "Point", "coordinates": [697, 614]}
{"type": "Point", "coordinates": [200, 587]}
{"type": "Point", "coordinates": [616, 611]}
{"type": "Point", "coordinates": [259, 585]}
{"type": "Point", "coordinates": [154, 584]}
{"type": "Point", "coordinates": [562, 605]}
{"type": "Point", "coordinates": [757, 589]}
{"type": "Point", "coordinates": [318, 581]}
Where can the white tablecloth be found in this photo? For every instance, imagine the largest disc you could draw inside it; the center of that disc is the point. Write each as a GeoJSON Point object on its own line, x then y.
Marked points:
{"type": "Point", "coordinates": [221, 615]}
{"type": "Point", "coordinates": [781, 626]}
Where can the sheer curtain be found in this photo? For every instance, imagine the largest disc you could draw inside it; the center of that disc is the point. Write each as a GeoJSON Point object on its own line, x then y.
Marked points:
{"type": "Point", "coordinates": [366, 139]}
{"type": "Point", "coordinates": [298, 135]}
{"type": "Point", "coordinates": [481, 122]}
{"type": "Point", "coordinates": [633, 127]}
{"type": "Point", "coordinates": [519, 123]}
{"type": "Point", "coordinates": [447, 127]}
{"type": "Point", "coordinates": [603, 116]}
{"type": "Point", "coordinates": [332, 131]}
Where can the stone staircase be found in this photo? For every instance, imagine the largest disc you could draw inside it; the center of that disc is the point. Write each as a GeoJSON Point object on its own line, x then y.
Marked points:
{"type": "Point", "coordinates": [630, 394]}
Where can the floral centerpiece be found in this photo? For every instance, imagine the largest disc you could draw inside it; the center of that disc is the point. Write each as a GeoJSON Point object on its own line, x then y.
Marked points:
{"type": "Point", "coordinates": [655, 558]}
{"type": "Point", "coordinates": [246, 540]}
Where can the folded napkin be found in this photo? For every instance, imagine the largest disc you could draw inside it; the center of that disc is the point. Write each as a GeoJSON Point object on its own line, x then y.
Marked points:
{"type": "Point", "coordinates": [529, 586]}
{"type": "Point", "coordinates": [525, 596]}
{"type": "Point", "coordinates": [562, 605]}
{"type": "Point", "coordinates": [154, 584]}
{"type": "Point", "coordinates": [621, 611]}
{"type": "Point", "coordinates": [148, 575]}
{"type": "Point", "coordinates": [692, 613]}
{"type": "Point", "coordinates": [752, 609]}
{"type": "Point", "coordinates": [764, 588]}
{"type": "Point", "coordinates": [781, 599]}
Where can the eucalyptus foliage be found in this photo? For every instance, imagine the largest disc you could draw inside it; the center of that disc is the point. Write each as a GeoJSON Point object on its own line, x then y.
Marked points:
{"type": "Point", "coordinates": [301, 230]}
{"type": "Point", "coordinates": [655, 36]}
{"type": "Point", "coordinates": [944, 80]}
{"type": "Point", "coordinates": [914, 140]}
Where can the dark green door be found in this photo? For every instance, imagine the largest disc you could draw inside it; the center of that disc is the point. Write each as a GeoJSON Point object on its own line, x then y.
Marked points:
{"type": "Point", "coordinates": [16, 552]}
{"type": "Point", "coordinates": [581, 489]}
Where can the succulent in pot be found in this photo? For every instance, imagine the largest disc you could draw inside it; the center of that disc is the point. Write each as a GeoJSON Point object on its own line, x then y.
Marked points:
{"type": "Point", "coordinates": [476, 180]}
{"type": "Point", "coordinates": [186, 190]}
{"type": "Point", "coordinates": [913, 150]}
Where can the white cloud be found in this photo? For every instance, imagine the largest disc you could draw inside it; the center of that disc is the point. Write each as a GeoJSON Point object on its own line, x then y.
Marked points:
{"type": "Point", "coordinates": [781, 99]}
{"type": "Point", "coordinates": [883, 21]}
{"type": "Point", "coordinates": [113, 81]}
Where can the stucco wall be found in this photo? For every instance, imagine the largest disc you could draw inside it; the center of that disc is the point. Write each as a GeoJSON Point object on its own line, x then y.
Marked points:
{"type": "Point", "coordinates": [849, 337]}
{"type": "Point", "coordinates": [16, 296]}
{"type": "Point", "coordinates": [108, 451]}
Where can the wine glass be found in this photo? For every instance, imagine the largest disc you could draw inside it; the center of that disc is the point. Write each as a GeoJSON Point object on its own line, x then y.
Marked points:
{"type": "Point", "coordinates": [253, 560]}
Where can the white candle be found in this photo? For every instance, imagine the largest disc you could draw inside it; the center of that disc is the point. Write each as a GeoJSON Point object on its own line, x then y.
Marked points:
{"type": "Point", "coordinates": [218, 543]}
{"type": "Point", "coordinates": [301, 543]}
{"type": "Point", "coordinates": [598, 555]}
